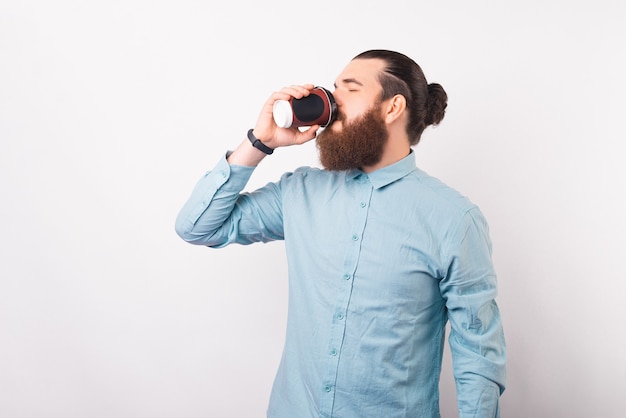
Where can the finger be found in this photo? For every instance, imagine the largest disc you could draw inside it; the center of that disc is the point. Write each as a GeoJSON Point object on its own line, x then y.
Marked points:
{"type": "Point", "coordinates": [298, 91]}
{"type": "Point", "coordinates": [307, 135]}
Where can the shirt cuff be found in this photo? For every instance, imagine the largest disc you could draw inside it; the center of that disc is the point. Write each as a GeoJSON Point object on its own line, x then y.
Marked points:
{"type": "Point", "coordinates": [234, 177]}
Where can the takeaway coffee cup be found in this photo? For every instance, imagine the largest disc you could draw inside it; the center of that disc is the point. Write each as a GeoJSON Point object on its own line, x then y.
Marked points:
{"type": "Point", "coordinates": [318, 108]}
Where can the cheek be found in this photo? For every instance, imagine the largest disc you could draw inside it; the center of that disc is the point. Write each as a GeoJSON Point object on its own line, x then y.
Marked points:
{"type": "Point", "coordinates": [345, 117]}
{"type": "Point", "coordinates": [352, 109]}
{"type": "Point", "coordinates": [354, 112]}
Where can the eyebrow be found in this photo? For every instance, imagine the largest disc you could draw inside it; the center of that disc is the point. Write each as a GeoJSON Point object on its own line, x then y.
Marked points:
{"type": "Point", "coordinates": [350, 81]}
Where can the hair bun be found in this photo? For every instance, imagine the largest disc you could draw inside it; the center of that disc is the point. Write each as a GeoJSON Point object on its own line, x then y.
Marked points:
{"type": "Point", "coordinates": [437, 103]}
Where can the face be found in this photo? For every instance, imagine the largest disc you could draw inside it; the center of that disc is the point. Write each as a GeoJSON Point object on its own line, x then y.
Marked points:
{"type": "Point", "coordinates": [357, 137]}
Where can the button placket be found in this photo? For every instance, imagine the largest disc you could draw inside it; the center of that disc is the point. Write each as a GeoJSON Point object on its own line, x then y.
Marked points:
{"type": "Point", "coordinates": [338, 326]}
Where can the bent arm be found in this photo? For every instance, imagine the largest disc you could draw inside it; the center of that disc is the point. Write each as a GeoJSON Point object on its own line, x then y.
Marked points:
{"type": "Point", "coordinates": [217, 213]}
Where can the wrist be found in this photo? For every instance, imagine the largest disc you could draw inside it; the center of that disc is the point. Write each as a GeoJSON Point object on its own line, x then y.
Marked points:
{"type": "Point", "coordinates": [258, 144]}
{"type": "Point", "coordinates": [246, 155]}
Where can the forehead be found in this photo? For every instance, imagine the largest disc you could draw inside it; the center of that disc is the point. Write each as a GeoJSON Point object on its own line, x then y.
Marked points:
{"type": "Point", "coordinates": [363, 72]}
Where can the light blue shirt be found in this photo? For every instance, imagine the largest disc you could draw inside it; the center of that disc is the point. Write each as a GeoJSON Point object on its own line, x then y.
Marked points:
{"type": "Point", "coordinates": [378, 263]}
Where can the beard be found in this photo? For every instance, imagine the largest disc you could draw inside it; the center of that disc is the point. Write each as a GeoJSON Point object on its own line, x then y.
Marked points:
{"type": "Point", "coordinates": [359, 144]}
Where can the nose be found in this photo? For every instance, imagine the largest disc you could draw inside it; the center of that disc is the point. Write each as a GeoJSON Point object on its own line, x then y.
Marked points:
{"type": "Point", "coordinates": [337, 96]}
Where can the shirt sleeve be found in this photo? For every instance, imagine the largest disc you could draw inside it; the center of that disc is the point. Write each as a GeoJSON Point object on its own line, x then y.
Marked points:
{"type": "Point", "coordinates": [476, 335]}
{"type": "Point", "coordinates": [218, 213]}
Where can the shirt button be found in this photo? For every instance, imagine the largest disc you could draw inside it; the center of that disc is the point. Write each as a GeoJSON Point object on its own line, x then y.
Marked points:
{"type": "Point", "coordinates": [363, 204]}
{"type": "Point", "coordinates": [333, 352]}
{"type": "Point", "coordinates": [355, 237]}
{"type": "Point", "coordinates": [340, 316]}
{"type": "Point", "coordinates": [346, 276]}
{"type": "Point", "coordinates": [328, 388]}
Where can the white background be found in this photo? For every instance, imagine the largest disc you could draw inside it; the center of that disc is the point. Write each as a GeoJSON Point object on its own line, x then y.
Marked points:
{"type": "Point", "coordinates": [111, 110]}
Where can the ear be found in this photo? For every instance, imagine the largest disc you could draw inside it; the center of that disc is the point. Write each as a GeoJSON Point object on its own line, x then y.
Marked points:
{"type": "Point", "coordinates": [394, 108]}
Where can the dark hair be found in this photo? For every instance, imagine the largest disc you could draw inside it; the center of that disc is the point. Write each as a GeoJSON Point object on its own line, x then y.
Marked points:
{"type": "Point", "coordinates": [426, 103]}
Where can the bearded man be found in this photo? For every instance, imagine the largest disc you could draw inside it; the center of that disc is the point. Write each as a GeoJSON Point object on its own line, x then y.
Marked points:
{"type": "Point", "coordinates": [381, 255]}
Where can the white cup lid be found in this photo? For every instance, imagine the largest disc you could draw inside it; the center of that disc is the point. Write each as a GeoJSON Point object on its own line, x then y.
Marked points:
{"type": "Point", "coordinates": [283, 115]}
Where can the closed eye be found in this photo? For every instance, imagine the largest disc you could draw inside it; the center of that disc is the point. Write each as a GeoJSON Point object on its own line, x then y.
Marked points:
{"type": "Point", "coordinates": [351, 84]}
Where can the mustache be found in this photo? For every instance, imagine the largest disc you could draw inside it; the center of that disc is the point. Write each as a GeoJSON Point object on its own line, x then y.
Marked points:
{"type": "Point", "coordinates": [340, 116]}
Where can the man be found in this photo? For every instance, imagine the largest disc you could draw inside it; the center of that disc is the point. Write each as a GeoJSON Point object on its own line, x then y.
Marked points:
{"type": "Point", "coordinates": [380, 254]}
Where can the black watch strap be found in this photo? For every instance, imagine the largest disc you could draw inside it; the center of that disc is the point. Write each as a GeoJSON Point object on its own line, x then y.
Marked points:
{"type": "Point", "coordinates": [256, 143]}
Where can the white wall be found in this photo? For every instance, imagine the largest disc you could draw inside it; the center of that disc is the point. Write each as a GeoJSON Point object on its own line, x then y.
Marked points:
{"type": "Point", "coordinates": [110, 111]}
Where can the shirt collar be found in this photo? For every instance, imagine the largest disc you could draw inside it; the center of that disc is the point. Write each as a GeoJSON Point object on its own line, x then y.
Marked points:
{"type": "Point", "coordinates": [389, 174]}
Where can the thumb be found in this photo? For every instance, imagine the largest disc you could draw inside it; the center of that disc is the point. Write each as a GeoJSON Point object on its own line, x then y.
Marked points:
{"type": "Point", "coordinates": [307, 135]}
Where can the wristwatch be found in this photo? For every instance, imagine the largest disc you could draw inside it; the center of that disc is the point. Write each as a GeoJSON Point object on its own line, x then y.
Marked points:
{"type": "Point", "coordinates": [256, 143]}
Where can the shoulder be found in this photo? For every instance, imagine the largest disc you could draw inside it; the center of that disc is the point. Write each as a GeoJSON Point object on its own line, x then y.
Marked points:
{"type": "Point", "coordinates": [441, 195]}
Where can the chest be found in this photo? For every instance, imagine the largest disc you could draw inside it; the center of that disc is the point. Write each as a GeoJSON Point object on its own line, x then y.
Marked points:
{"type": "Point", "coordinates": [387, 240]}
